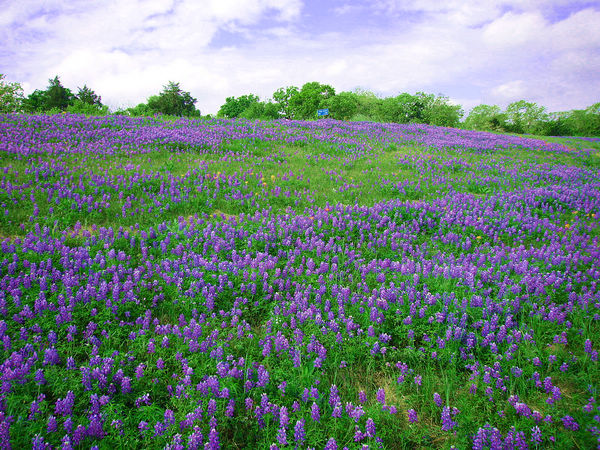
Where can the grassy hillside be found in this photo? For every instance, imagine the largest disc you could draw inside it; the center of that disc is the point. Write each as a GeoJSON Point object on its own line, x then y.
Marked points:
{"type": "Point", "coordinates": [295, 284]}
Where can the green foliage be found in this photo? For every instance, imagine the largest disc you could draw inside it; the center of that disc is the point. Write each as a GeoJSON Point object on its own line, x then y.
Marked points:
{"type": "Point", "coordinates": [87, 95]}
{"type": "Point", "coordinates": [486, 118]}
{"type": "Point", "coordinates": [58, 96]}
{"type": "Point", "coordinates": [173, 101]}
{"type": "Point", "coordinates": [11, 96]}
{"type": "Point", "coordinates": [234, 107]}
{"type": "Point", "coordinates": [368, 105]}
{"type": "Point", "coordinates": [438, 111]}
{"type": "Point", "coordinates": [343, 106]}
{"type": "Point", "coordinates": [419, 108]}
{"type": "Point", "coordinates": [312, 96]}
{"type": "Point", "coordinates": [55, 97]}
{"type": "Point", "coordinates": [89, 109]}
{"type": "Point", "coordinates": [261, 110]}
{"type": "Point", "coordinates": [282, 97]}
{"type": "Point", "coordinates": [525, 117]}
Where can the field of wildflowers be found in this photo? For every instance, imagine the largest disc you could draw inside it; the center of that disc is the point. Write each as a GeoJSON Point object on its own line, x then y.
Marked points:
{"type": "Point", "coordinates": [233, 284]}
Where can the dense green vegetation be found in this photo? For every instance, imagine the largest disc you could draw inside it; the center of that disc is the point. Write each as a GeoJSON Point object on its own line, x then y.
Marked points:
{"type": "Point", "coordinates": [291, 102]}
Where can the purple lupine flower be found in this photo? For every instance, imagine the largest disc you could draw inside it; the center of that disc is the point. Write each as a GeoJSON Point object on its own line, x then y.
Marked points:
{"type": "Point", "coordinates": [331, 445]}
{"type": "Point", "coordinates": [437, 399]}
{"type": "Point", "coordinates": [52, 424]}
{"type": "Point", "coordinates": [381, 396]}
{"type": "Point", "coordinates": [337, 411]}
{"type": "Point", "coordinates": [447, 422]}
{"type": "Point", "coordinates": [315, 414]}
{"type": "Point", "coordinates": [229, 410]}
{"type": "Point", "coordinates": [282, 436]}
{"type": "Point", "coordinates": [418, 380]}
{"type": "Point", "coordinates": [126, 385]}
{"type": "Point", "coordinates": [139, 371]}
{"type": "Point", "coordinates": [282, 387]}
{"type": "Point", "coordinates": [536, 435]}
{"type": "Point", "coordinates": [412, 416]}
{"type": "Point", "coordinates": [334, 397]}
{"type": "Point", "coordinates": [370, 427]}
{"type": "Point", "coordinates": [362, 397]}
{"type": "Point", "coordinates": [195, 439]}
{"type": "Point", "coordinates": [358, 435]}
{"type": "Point", "coordinates": [213, 440]}
{"type": "Point", "coordinates": [39, 377]}
{"type": "Point", "coordinates": [37, 443]}
{"type": "Point", "coordinates": [570, 423]}
{"type": "Point", "coordinates": [299, 433]}
{"type": "Point", "coordinates": [51, 357]}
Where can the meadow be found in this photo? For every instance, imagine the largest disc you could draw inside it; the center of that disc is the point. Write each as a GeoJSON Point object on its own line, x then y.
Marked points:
{"type": "Point", "coordinates": [177, 283]}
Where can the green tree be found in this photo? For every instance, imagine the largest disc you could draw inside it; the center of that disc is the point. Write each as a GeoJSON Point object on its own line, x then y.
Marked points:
{"type": "Point", "coordinates": [234, 107]}
{"type": "Point", "coordinates": [368, 105]}
{"type": "Point", "coordinates": [87, 95]}
{"type": "Point", "coordinates": [11, 96]}
{"type": "Point", "coordinates": [261, 110]}
{"type": "Point", "coordinates": [404, 108]}
{"type": "Point", "coordinates": [342, 106]}
{"type": "Point", "coordinates": [173, 101]}
{"type": "Point", "coordinates": [440, 112]}
{"type": "Point", "coordinates": [140, 110]}
{"type": "Point", "coordinates": [56, 97]}
{"type": "Point", "coordinates": [525, 117]}
{"type": "Point", "coordinates": [312, 96]}
{"type": "Point", "coordinates": [282, 98]}
{"type": "Point", "coordinates": [485, 118]}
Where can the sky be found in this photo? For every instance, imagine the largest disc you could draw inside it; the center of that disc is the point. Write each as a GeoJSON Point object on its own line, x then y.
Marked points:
{"type": "Point", "coordinates": [472, 51]}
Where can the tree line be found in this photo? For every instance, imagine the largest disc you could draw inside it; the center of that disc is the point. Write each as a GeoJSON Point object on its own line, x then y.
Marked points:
{"type": "Point", "coordinates": [291, 102]}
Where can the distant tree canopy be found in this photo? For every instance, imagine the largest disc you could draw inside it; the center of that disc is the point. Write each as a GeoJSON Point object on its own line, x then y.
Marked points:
{"type": "Point", "coordinates": [311, 97]}
{"type": "Point", "coordinates": [173, 101]}
{"type": "Point", "coordinates": [527, 117]}
{"type": "Point", "coordinates": [234, 107]}
{"type": "Point", "coordinates": [86, 95]}
{"type": "Point", "coordinates": [55, 97]}
{"type": "Point", "coordinates": [291, 102]}
{"type": "Point", "coordinates": [281, 98]}
{"type": "Point", "coordinates": [11, 96]}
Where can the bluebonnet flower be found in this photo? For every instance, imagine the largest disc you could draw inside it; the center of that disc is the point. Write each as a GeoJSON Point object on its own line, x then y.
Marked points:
{"type": "Point", "coordinates": [437, 399]}
{"type": "Point", "coordinates": [570, 423]}
{"type": "Point", "coordinates": [447, 422]}
{"type": "Point", "coordinates": [315, 413]}
{"type": "Point", "coordinates": [370, 428]}
{"type": "Point", "coordinates": [412, 416]}
{"type": "Point", "coordinates": [299, 433]}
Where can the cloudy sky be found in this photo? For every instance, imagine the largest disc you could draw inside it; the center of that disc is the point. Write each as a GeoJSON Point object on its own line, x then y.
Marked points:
{"type": "Point", "coordinates": [474, 51]}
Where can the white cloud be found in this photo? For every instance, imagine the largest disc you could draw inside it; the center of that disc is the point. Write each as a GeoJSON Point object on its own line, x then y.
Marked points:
{"type": "Point", "coordinates": [476, 51]}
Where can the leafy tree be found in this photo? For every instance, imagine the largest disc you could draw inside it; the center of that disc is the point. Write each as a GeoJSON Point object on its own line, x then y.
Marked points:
{"type": "Point", "coordinates": [404, 108]}
{"type": "Point", "coordinates": [11, 96]}
{"type": "Point", "coordinates": [282, 98]}
{"type": "Point", "coordinates": [173, 101]}
{"type": "Point", "coordinates": [312, 96]}
{"type": "Point", "coordinates": [525, 117]}
{"type": "Point", "coordinates": [81, 107]}
{"type": "Point", "coordinates": [140, 110]}
{"type": "Point", "coordinates": [87, 95]}
{"type": "Point", "coordinates": [58, 96]}
{"type": "Point", "coordinates": [234, 107]}
{"type": "Point", "coordinates": [343, 106]}
{"type": "Point", "coordinates": [261, 110]}
{"type": "Point", "coordinates": [485, 118]}
{"type": "Point", "coordinates": [438, 111]}
{"type": "Point", "coordinates": [368, 105]}
{"type": "Point", "coordinates": [55, 97]}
